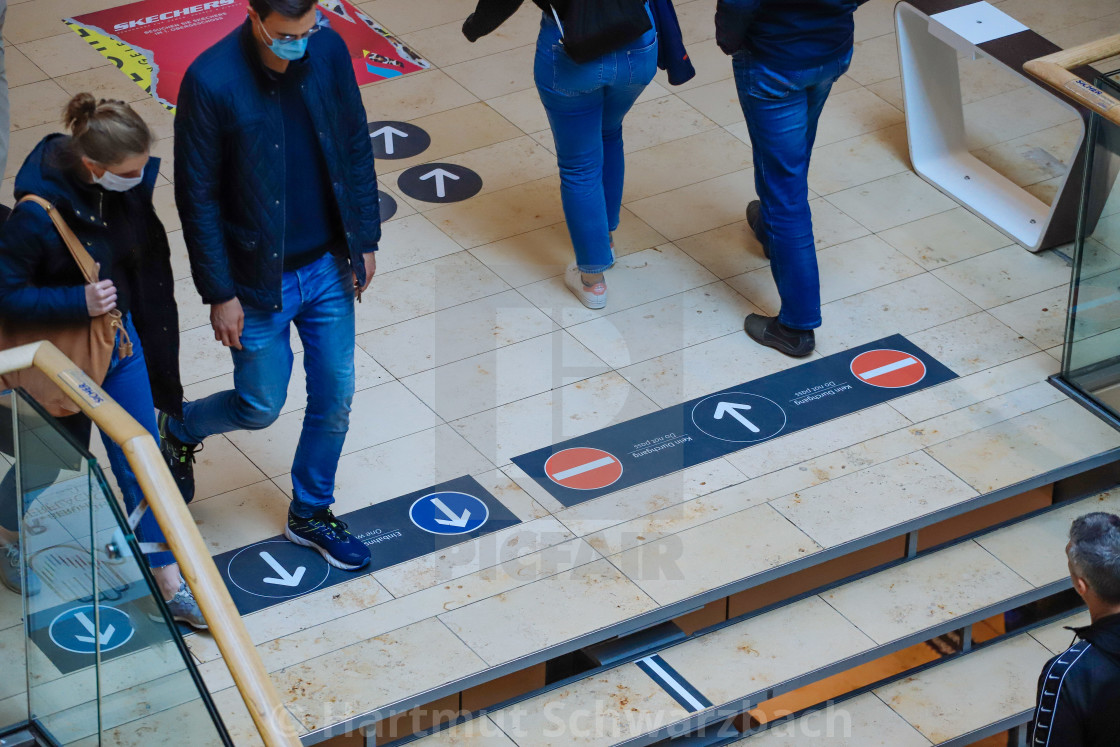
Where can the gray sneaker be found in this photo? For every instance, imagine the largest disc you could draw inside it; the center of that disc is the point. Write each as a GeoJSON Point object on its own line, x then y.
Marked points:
{"type": "Point", "coordinates": [184, 608]}
{"type": "Point", "coordinates": [10, 574]}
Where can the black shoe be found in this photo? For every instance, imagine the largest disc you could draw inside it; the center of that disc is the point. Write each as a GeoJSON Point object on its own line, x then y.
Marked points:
{"type": "Point", "coordinates": [323, 532]}
{"type": "Point", "coordinates": [754, 220]}
{"type": "Point", "coordinates": [179, 457]}
{"type": "Point", "coordinates": [768, 331]}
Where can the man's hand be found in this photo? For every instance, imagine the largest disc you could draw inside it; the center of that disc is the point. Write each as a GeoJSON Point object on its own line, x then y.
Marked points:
{"type": "Point", "coordinates": [228, 320]}
{"type": "Point", "coordinates": [371, 270]}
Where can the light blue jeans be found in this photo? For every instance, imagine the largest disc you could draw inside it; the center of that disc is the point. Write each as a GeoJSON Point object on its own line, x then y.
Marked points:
{"type": "Point", "coordinates": [585, 106]}
{"type": "Point", "coordinates": [319, 300]}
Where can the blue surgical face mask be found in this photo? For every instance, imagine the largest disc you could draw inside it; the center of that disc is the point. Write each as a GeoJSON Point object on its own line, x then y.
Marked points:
{"type": "Point", "coordinates": [286, 49]}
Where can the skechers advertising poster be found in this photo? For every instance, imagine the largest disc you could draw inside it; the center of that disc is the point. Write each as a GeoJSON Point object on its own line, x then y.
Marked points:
{"type": "Point", "coordinates": [153, 42]}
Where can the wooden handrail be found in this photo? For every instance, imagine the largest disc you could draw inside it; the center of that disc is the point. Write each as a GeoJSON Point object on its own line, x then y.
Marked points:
{"type": "Point", "coordinates": [1054, 70]}
{"type": "Point", "coordinates": [166, 504]}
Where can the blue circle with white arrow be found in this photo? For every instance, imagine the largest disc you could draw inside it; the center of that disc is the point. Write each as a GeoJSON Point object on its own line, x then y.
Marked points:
{"type": "Point", "coordinates": [278, 569]}
{"type": "Point", "coordinates": [448, 513]}
{"type": "Point", "coordinates": [739, 417]}
{"type": "Point", "coordinates": [77, 629]}
{"type": "Point", "coordinates": [439, 182]}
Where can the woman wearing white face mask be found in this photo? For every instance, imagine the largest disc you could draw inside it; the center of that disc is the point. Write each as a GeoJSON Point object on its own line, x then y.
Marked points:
{"type": "Point", "coordinates": [100, 179]}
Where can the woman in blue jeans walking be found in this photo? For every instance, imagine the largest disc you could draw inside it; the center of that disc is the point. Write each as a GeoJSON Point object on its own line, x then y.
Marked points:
{"type": "Point", "coordinates": [586, 104]}
{"type": "Point", "coordinates": [100, 179]}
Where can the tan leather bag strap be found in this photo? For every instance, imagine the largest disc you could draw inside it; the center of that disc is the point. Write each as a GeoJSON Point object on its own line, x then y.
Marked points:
{"type": "Point", "coordinates": [85, 262]}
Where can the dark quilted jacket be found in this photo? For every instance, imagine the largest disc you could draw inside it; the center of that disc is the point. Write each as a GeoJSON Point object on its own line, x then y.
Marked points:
{"type": "Point", "coordinates": [229, 164]}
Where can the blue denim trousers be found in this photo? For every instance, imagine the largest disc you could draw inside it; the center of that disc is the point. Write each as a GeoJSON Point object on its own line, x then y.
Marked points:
{"type": "Point", "coordinates": [319, 300]}
{"type": "Point", "coordinates": [782, 108]}
{"type": "Point", "coordinates": [585, 106]}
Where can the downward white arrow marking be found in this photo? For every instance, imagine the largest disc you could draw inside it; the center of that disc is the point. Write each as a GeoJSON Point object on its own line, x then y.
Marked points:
{"type": "Point", "coordinates": [286, 579]}
{"type": "Point", "coordinates": [93, 637]}
{"type": "Point", "coordinates": [439, 175]}
{"type": "Point", "coordinates": [388, 132]}
{"type": "Point", "coordinates": [732, 409]}
{"type": "Point", "coordinates": [452, 520]}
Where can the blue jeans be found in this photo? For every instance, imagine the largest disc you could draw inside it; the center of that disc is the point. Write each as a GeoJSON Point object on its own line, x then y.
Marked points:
{"type": "Point", "coordinates": [319, 300]}
{"type": "Point", "coordinates": [585, 106]}
{"type": "Point", "coordinates": [782, 108]}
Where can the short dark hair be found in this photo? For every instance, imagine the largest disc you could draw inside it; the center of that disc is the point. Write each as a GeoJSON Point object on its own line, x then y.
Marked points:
{"type": "Point", "coordinates": [286, 8]}
{"type": "Point", "coordinates": [1094, 553]}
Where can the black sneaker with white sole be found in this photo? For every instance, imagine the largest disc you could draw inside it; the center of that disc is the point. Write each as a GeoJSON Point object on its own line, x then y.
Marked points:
{"type": "Point", "coordinates": [323, 532]}
{"type": "Point", "coordinates": [179, 457]}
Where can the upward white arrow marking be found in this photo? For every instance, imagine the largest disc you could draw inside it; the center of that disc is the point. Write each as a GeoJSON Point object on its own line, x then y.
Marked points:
{"type": "Point", "coordinates": [452, 520]}
{"type": "Point", "coordinates": [732, 409]}
{"type": "Point", "coordinates": [439, 175]}
{"type": "Point", "coordinates": [93, 637]}
{"type": "Point", "coordinates": [388, 132]}
{"type": "Point", "coordinates": [286, 579]}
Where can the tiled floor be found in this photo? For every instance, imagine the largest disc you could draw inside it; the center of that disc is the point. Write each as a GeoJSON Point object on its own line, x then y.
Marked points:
{"type": "Point", "coordinates": [471, 351]}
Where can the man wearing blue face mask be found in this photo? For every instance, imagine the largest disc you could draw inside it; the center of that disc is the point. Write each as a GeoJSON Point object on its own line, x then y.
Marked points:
{"type": "Point", "coordinates": [275, 184]}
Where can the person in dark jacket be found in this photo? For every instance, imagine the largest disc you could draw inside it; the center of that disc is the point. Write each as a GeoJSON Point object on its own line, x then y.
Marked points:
{"type": "Point", "coordinates": [1079, 691]}
{"type": "Point", "coordinates": [275, 184]}
{"type": "Point", "coordinates": [100, 178]}
{"type": "Point", "coordinates": [786, 55]}
{"type": "Point", "coordinates": [586, 104]}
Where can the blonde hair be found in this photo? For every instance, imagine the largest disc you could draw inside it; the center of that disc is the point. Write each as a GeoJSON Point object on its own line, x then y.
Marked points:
{"type": "Point", "coordinates": [105, 131]}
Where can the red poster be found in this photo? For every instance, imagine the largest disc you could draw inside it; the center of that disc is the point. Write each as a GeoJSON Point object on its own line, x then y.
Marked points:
{"type": "Point", "coordinates": [154, 41]}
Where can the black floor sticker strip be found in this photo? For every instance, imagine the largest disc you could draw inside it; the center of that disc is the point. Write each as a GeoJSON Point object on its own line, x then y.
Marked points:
{"type": "Point", "coordinates": [409, 526]}
{"type": "Point", "coordinates": [719, 424]}
{"type": "Point", "coordinates": [671, 681]}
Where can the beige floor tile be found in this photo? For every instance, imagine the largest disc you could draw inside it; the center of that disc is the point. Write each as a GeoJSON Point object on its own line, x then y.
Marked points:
{"type": "Point", "coordinates": [973, 343]}
{"type": "Point", "coordinates": [696, 23]}
{"type": "Point", "coordinates": [1009, 116]}
{"type": "Point", "coordinates": [663, 326]}
{"type": "Point", "coordinates": [945, 238]}
{"type": "Point", "coordinates": [523, 369]}
{"type": "Point", "coordinates": [241, 517]}
{"type": "Point", "coordinates": [854, 113]}
{"type": "Point", "coordinates": [479, 732]}
{"type": "Point", "coordinates": [889, 90]}
{"type": "Point", "coordinates": [905, 307]}
{"type": "Point", "coordinates": [413, 96]}
{"type": "Point", "coordinates": [711, 65]}
{"type": "Point", "coordinates": [728, 250]}
{"type": "Point", "coordinates": [1005, 275]}
{"type": "Point", "coordinates": [708, 367]}
{"type": "Point", "coordinates": [698, 207]}
{"type": "Point", "coordinates": [22, 142]}
{"type": "Point", "coordinates": [1026, 446]}
{"type": "Point", "coordinates": [402, 16]}
{"type": "Point", "coordinates": [1056, 637]}
{"type": "Point", "coordinates": [1036, 549]}
{"type": "Point", "coordinates": [498, 215]}
{"type": "Point", "coordinates": [201, 357]}
{"type": "Point", "coordinates": [453, 132]}
{"type": "Point", "coordinates": [555, 416]}
{"type": "Point", "coordinates": [20, 71]}
{"type": "Point", "coordinates": [758, 654]}
{"type": "Point", "coordinates": [220, 467]}
{"type": "Point", "coordinates": [523, 109]}
{"type": "Point", "coordinates": [497, 74]}
{"type": "Point", "coordinates": [600, 710]}
{"type": "Point", "coordinates": [1035, 157]}
{"type": "Point", "coordinates": [1046, 19]}
{"type": "Point", "coordinates": [410, 241]}
{"type": "Point", "coordinates": [795, 448]}
{"type": "Point", "coordinates": [349, 682]}
{"type": "Point", "coordinates": [858, 160]}
{"type": "Point", "coordinates": [1040, 318]}
{"type": "Point", "coordinates": [925, 592]}
{"type": "Point", "coordinates": [635, 279]}
{"type": "Point", "coordinates": [62, 54]}
{"type": "Point", "coordinates": [719, 552]}
{"type": "Point", "coordinates": [858, 504]}
{"type": "Point", "coordinates": [523, 505]}
{"type": "Point", "coordinates": [457, 333]}
{"type": "Point", "coordinates": [892, 201]}
{"type": "Point", "coordinates": [683, 161]}
{"type": "Point", "coordinates": [424, 289]}
{"type": "Point", "coordinates": [445, 45]}
{"type": "Point", "coordinates": [380, 414]}
{"type": "Point", "coordinates": [863, 721]}
{"type": "Point", "coordinates": [874, 60]}
{"type": "Point", "coordinates": [974, 691]}
{"type": "Point", "coordinates": [718, 101]}
{"type": "Point", "coordinates": [36, 104]}
{"type": "Point", "coordinates": [845, 270]}
{"type": "Point", "coordinates": [649, 498]}
{"type": "Point", "coordinates": [969, 390]}
{"type": "Point", "coordinates": [507, 626]}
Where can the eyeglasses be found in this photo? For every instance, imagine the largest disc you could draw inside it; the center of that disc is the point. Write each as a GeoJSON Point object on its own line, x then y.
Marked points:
{"type": "Point", "coordinates": [295, 37]}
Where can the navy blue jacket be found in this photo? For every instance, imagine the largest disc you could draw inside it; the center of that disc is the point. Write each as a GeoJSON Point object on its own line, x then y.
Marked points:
{"type": "Point", "coordinates": [787, 34]}
{"type": "Point", "coordinates": [40, 280]}
{"type": "Point", "coordinates": [230, 169]}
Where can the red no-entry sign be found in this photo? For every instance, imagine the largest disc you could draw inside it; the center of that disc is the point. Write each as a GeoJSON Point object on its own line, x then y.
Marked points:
{"type": "Point", "coordinates": [583, 468]}
{"type": "Point", "coordinates": [891, 369]}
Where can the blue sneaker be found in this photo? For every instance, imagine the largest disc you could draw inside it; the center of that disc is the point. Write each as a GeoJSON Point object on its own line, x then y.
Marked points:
{"type": "Point", "coordinates": [323, 532]}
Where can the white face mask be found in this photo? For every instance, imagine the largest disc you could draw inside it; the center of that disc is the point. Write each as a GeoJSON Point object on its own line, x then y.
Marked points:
{"type": "Point", "coordinates": [115, 183]}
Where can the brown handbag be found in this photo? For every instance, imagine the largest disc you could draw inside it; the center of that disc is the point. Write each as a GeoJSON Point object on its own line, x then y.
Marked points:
{"type": "Point", "coordinates": [89, 343]}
